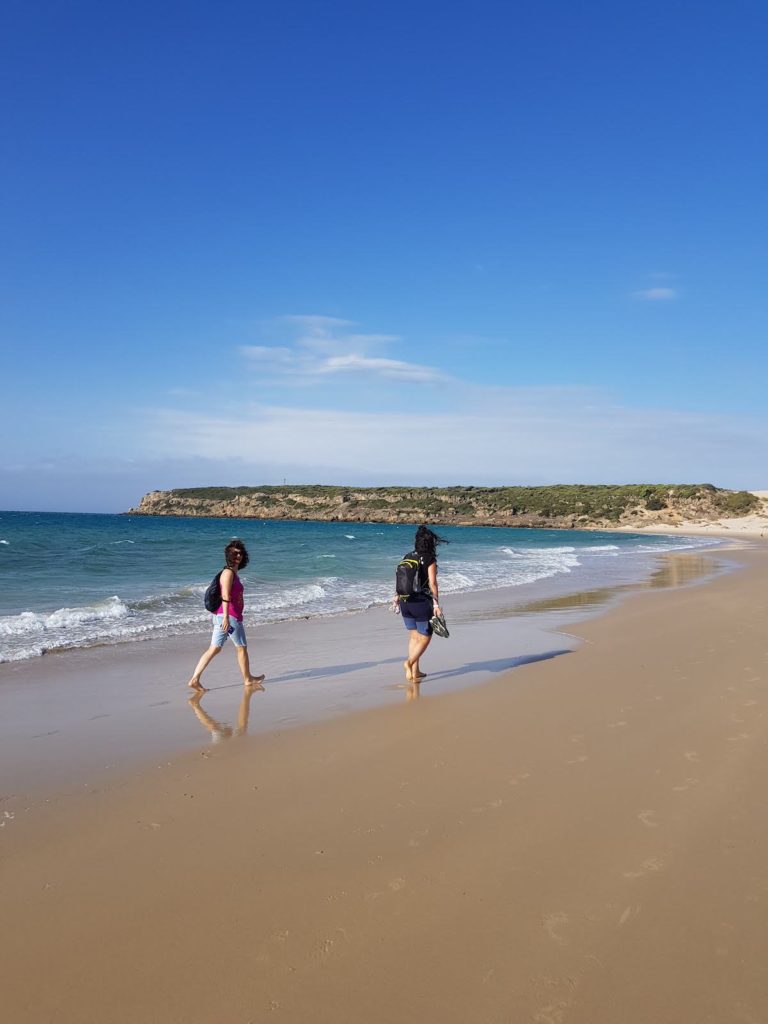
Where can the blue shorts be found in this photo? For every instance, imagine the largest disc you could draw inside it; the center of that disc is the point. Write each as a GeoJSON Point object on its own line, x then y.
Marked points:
{"type": "Point", "coordinates": [416, 615]}
{"type": "Point", "coordinates": [236, 631]}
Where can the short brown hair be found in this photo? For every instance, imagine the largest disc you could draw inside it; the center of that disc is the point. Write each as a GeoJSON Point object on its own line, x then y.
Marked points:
{"type": "Point", "coordinates": [236, 545]}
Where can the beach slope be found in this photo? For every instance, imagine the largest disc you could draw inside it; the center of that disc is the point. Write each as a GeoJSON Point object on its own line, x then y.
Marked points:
{"type": "Point", "coordinates": [582, 840]}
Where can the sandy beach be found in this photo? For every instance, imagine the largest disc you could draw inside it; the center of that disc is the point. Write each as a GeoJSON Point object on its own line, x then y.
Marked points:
{"type": "Point", "coordinates": [580, 839]}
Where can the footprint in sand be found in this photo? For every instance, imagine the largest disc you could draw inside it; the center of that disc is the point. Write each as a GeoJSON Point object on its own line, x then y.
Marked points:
{"type": "Point", "coordinates": [552, 1014]}
{"type": "Point", "coordinates": [685, 785]}
{"type": "Point", "coordinates": [490, 806]}
{"type": "Point", "coordinates": [647, 818]}
{"type": "Point", "coordinates": [334, 896]}
{"type": "Point", "coordinates": [554, 925]}
{"type": "Point", "coordinates": [394, 886]}
{"type": "Point", "coordinates": [417, 836]}
{"type": "Point", "coordinates": [648, 867]}
{"type": "Point", "coordinates": [517, 779]}
{"type": "Point", "coordinates": [628, 914]}
{"type": "Point", "coordinates": [324, 948]}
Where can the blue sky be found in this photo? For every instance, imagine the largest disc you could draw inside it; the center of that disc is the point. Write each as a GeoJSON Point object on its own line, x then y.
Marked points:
{"type": "Point", "coordinates": [487, 243]}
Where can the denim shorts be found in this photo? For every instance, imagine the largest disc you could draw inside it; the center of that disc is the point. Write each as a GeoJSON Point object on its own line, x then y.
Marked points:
{"type": "Point", "coordinates": [236, 631]}
{"type": "Point", "coordinates": [420, 625]}
{"type": "Point", "coordinates": [420, 621]}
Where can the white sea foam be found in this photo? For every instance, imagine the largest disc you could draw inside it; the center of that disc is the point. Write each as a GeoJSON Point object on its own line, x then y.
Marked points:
{"type": "Point", "coordinates": [63, 618]}
{"type": "Point", "coordinates": [5, 542]}
{"type": "Point", "coordinates": [679, 544]}
{"type": "Point", "coordinates": [364, 579]}
{"type": "Point", "coordinates": [550, 550]}
{"type": "Point", "coordinates": [290, 597]}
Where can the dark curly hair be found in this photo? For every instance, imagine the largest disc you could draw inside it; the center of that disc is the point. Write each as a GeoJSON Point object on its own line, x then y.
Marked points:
{"type": "Point", "coordinates": [426, 541]}
{"type": "Point", "coordinates": [229, 550]}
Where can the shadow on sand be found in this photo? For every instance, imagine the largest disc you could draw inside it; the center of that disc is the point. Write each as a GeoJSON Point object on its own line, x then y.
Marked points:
{"type": "Point", "coordinates": [496, 664]}
{"type": "Point", "coordinates": [329, 671]}
{"type": "Point", "coordinates": [332, 670]}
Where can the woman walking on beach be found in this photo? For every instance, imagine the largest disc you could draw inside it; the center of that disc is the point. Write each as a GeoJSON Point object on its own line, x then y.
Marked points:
{"type": "Point", "coordinates": [419, 607]}
{"type": "Point", "coordinates": [228, 618]}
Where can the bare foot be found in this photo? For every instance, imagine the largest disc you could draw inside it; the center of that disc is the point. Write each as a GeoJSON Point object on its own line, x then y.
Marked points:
{"type": "Point", "coordinates": [418, 676]}
{"type": "Point", "coordinates": [408, 672]}
{"type": "Point", "coordinates": [195, 684]}
{"type": "Point", "coordinates": [254, 682]}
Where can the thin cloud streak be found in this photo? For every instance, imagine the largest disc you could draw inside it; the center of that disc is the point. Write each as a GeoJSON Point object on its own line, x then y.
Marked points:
{"type": "Point", "coordinates": [576, 441]}
{"type": "Point", "coordinates": [324, 349]}
{"type": "Point", "coordinates": [656, 294]}
{"type": "Point", "coordinates": [392, 369]}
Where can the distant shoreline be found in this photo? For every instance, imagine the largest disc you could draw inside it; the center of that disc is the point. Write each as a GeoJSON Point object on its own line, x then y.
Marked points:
{"type": "Point", "coordinates": [661, 507]}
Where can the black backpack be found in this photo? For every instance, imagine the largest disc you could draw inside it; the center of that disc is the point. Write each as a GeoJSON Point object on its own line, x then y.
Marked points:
{"type": "Point", "coordinates": [407, 583]}
{"type": "Point", "coordinates": [212, 597]}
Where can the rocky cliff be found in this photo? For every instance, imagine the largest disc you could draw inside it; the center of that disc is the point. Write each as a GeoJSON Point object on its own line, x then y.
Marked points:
{"type": "Point", "coordinates": [566, 506]}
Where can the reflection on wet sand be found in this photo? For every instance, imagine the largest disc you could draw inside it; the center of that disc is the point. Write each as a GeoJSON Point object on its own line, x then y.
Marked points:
{"type": "Point", "coordinates": [677, 571]}
{"type": "Point", "coordinates": [412, 689]}
{"type": "Point", "coordinates": [219, 730]}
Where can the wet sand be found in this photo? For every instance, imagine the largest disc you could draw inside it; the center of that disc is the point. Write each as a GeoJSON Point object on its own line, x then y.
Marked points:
{"type": "Point", "coordinates": [579, 840]}
{"type": "Point", "coordinates": [83, 717]}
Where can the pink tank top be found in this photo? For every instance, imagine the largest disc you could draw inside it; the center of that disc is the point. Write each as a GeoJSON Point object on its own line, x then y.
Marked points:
{"type": "Point", "coordinates": [237, 601]}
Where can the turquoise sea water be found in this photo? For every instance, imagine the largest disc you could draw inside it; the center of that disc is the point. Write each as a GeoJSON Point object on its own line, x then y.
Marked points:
{"type": "Point", "coordinates": [73, 581]}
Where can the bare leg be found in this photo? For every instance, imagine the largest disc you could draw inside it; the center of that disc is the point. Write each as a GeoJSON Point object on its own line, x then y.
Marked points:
{"type": "Point", "coordinates": [202, 665]}
{"type": "Point", "coordinates": [245, 668]}
{"type": "Point", "coordinates": [417, 644]}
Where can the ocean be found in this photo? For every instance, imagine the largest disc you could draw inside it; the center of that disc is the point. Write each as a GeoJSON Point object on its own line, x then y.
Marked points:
{"type": "Point", "coordinates": [73, 581]}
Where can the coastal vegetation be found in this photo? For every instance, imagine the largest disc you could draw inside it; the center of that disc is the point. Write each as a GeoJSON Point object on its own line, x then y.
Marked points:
{"type": "Point", "coordinates": [565, 505]}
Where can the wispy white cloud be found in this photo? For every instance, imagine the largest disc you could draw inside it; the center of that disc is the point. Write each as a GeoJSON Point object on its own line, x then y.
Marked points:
{"type": "Point", "coordinates": [277, 354]}
{"type": "Point", "coordinates": [182, 392]}
{"type": "Point", "coordinates": [326, 346]}
{"type": "Point", "coordinates": [392, 369]}
{"type": "Point", "coordinates": [522, 436]}
{"type": "Point", "coordinates": [659, 294]}
{"type": "Point", "coordinates": [315, 322]}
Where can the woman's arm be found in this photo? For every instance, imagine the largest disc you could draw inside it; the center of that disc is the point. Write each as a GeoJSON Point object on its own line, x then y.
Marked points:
{"type": "Point", "coordinates": [432, 577]}
{"type": "Point", "coordinates": [226, 593]}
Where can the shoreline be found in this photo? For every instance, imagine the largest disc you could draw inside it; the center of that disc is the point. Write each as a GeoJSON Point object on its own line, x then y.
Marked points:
{"type": "Point", "coordinates": [579, 834]}
{"type": "Point", "coordinates": [80, 716]}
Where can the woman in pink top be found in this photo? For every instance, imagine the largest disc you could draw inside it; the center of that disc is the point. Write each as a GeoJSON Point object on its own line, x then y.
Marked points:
{"type": "Point", "coordinates": [228, 619]}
